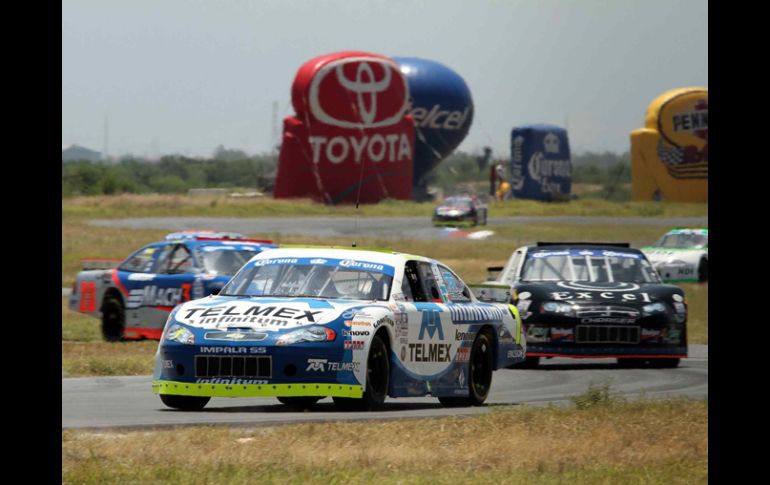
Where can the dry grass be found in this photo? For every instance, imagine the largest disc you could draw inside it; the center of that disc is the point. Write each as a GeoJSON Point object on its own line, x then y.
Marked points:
{"type": "Point", "coordinates": [83, 359]}
{"type": "Point", "coordinates": [134, 205]}
{"type": "Point", "coordinates": [638, 442]}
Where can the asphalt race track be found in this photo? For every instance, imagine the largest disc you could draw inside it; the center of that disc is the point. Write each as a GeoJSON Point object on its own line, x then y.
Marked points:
{"type": "Point", "coordinates": [384, 227]}
{"type": "Point", "coordinates": [128, 402]}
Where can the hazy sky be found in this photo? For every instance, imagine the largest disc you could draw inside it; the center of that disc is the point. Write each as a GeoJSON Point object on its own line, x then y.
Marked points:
{"type": "Point", "coordinates": [183, 76]}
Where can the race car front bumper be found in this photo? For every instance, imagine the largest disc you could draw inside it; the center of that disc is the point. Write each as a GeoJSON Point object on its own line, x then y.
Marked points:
{"type": "Point", "coordinates": [256, 371]}
{"type": "Point", "coordinates": [238, 389]}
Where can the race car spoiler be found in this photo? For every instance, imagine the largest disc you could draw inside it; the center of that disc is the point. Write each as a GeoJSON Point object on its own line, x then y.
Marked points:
{"type": "Point", "coordinates": [99, 263]}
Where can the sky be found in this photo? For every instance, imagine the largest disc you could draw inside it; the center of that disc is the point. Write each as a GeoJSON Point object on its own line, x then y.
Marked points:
{"type": "Point", "coordinates": [185, 76]}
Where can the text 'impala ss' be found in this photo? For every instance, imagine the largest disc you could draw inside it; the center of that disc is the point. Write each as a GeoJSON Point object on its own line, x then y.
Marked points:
{"type": "Point", "coordinates": [301, 324]}
{"type": "Point", "coordinates": [593, 300]}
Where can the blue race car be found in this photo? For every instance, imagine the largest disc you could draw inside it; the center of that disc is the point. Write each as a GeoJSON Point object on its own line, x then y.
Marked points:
{"type": "Point", "coordinates": [133, 300]}
{"type": "Point", "coordinates": [300, 324]}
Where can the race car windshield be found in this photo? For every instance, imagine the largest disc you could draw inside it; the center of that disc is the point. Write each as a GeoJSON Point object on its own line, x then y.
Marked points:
{"type": "Point", "coordinates": [461, 203]}
{"type": "Point", "coordinates": [224, 261]}
{"type": "Point", "coordinates": [329, 279]}
{"type": "Point", "coordinates": [588, 265]}
{"type": "Point", "coordinates": [683, 241]}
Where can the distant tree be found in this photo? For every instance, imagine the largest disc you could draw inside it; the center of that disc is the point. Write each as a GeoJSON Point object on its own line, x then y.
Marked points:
{"type": "Point", "coordinates": [227, 154]}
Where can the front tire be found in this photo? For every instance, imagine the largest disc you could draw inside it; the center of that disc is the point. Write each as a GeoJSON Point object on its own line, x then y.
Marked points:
{"type": "Point", "coordinates": [113, 319]}
{"type": "Point", "coordinates": [184, 403]}
{"type": "Point", "coordinates": [377, 380]}
{"type": "Point", "coordinates": [664, 363]}
{"type": "Point", "coordinates": [529, 363]}
{"type": "Point", "coordinates": [479, 375]}
{"type": "Point", "coordinates": [703, 271]}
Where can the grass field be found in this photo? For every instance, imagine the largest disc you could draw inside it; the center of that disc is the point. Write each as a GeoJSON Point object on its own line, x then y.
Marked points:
{"type": "Point", "coordinates": [183, 205]}
{"type": "Point", "coordinates": [602, 442]}
{"type": "Point", "coordinates": [85, 354]}
{"type": "Point", "coordinates": [469, 258]}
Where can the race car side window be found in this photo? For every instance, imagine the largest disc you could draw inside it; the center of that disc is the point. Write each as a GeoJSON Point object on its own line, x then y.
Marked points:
{"type": "Point", "coordinates": [180, 261]}
{"type": "Point", "coordinates": [430, 286]}
{"type": "Point", "coordinates": [141, 261]}
{"type": "Point", "coordinates": [412, 280]}
{"type": "Point", "coordinates": [457, 292]}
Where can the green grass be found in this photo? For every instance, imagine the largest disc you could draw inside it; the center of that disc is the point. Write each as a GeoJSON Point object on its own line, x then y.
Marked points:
{"type": "Point", "coordinates": [645, 442]}
{"type": "Point", "coordinates": [118, 206]}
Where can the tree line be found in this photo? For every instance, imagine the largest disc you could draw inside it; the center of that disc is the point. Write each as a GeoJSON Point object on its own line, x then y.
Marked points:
{"type": "Point", "coordinates": [236, 169]}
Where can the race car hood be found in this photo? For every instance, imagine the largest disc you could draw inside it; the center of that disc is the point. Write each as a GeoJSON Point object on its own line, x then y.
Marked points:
{"type": "Point", "coordinates": [264, 313]}
{"type": "Point", "coordinates": [592, 292]}
{"type": "Point", "coordinates": [658, 254]}
{"type": "Point", "coordinates": [451, 211]}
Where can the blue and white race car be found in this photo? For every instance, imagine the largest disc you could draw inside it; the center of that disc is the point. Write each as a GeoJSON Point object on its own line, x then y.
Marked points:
{"type": "Point", "coordinates": [301, 324]}
{"type": "Point", "coordinates": [133, 300]}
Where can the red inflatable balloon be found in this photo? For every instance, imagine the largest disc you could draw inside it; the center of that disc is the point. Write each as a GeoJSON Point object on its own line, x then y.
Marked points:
{"type": "Point", "coordinates": [351, 139]}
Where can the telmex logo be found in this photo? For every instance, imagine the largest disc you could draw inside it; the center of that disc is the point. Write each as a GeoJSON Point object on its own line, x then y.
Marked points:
{"type": "Point", "coordinates": [358, 92]}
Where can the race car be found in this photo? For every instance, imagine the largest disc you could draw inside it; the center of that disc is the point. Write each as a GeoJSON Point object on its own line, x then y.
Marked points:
{"type": "Point", "coordinates": [202, 233]}
{"type": "Point", "coordinates": [592, 300]}
{"type": "Point", "coordinates": [460, 210]}
{"type": "Point", "coordinates": [134, 297]}
{"type": "Point", "coordinates": [301, 324]}
{"type": "Point", "coordinates": [681, 255]}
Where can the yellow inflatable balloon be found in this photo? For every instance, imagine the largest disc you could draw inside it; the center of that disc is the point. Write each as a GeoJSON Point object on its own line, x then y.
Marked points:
{"type": "Point", "coordinates": [669, 156]}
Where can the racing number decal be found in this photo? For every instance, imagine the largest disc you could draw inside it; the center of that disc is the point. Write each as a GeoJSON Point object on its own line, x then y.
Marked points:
{"type": "Point", "coordinates": [186, 291]}
{"type": "Point", "coordinates": [88, 296]}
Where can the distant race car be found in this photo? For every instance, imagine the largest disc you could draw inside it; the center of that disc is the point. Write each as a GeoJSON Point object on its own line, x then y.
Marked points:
{"type": "Point", "coordinates": [460, 210]}
{"type": "Point", "coordinates": [301, 324]}
{"type": "Point", "coordinates": [681, 255]}
{"type": "Point", "coordinates": [134, 297]}
{"type": "Point", "coordinates": [592, 300]}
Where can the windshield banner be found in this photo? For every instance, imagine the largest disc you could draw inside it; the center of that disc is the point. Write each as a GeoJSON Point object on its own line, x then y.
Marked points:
{"type": "Point", "coordinates": [341, 263]}
{"type": "Point", "coordinates": [599, 253]}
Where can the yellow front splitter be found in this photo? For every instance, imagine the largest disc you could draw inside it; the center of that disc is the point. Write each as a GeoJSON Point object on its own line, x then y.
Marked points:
{"type": "Point", "coordinates": [256, 390]}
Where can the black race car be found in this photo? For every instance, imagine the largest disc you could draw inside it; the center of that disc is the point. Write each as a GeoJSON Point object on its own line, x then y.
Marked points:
{"type": "Point", "coordinates": [593, 300]}
{"type": "Point", "coordinates": [460, 210]}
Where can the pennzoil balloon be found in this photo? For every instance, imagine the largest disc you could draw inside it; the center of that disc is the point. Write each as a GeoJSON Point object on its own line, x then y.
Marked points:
{"type": "Point", "coordinates": [669, 156]}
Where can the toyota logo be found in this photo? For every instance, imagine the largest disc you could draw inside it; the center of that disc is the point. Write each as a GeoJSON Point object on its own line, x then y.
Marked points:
{"type": "Point", "coordinates": [358, 92]}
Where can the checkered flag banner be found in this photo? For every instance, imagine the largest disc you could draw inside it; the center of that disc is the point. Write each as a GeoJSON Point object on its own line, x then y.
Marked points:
{"type": "Point", "coordinates": [670, 155]}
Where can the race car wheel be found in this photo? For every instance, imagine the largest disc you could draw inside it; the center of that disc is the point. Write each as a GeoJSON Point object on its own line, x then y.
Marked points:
{"type": "Point", "coordinates": [628, 363]}
{"type": "Point", "coordinates": [377, 380]}
{"type": "Point", "coordinates": [484, 220]}
{"type": "Point", "coordinates": [184, 403]}
{"type": "Point", "coordinates": [303, 402]}
{"type": "Point", "coordinates": [529, 363]}
{"type": "Point", "coordinates": [113, 319]}
{"type": "Point", "coordinates": [479, 375]}
{"type": "Point", "coordinates": [664, 363]}
{"type": "Point", "coordinates": [703, 270]}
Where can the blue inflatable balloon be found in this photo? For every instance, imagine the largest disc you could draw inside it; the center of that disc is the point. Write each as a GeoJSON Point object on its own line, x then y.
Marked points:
{"type": "Point", "coordinates": [540, 162]}
{"type": "Point", "coordinates": [441, 105]}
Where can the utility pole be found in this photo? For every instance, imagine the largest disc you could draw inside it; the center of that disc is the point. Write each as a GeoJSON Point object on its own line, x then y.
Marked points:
{"type": "Point", "coordinates": [274, 135]}
{"type": "Point", "coordinates": [105, 148]}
